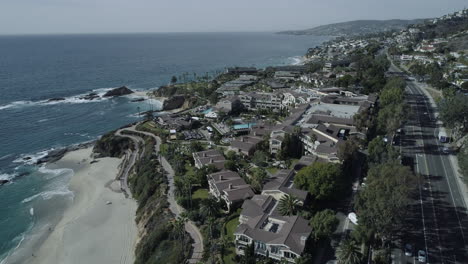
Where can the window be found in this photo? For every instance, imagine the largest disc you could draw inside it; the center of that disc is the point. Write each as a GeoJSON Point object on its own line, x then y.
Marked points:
{"type": "Point", "coordinates": [274, 250]}
{"type": "Point", "coordinates": [260, 245]}
{"type": "Point", "coordinates": [244, 238]}
{"type": "Point", "coordinates": [289, 255]}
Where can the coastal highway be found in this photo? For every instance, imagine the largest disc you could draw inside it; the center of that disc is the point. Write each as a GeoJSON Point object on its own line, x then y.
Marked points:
{"type": "Point", "coordinates": [437, 221]}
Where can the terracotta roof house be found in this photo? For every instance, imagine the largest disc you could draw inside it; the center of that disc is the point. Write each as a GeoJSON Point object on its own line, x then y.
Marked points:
{"type": "Point", "coordinates": [282, 183]}
{"type": "Point", "coordinates": [230, 187]}
{"type": "Point", "coordinates": [209, 157]}
{"type": "Point", "coordinates": [274, 236]}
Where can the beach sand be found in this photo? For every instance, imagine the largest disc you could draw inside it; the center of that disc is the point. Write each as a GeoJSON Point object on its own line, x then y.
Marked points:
{"type": "Point", "coordinates": [91, 231]}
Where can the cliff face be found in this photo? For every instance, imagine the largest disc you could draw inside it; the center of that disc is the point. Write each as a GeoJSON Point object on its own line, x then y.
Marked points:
{"type": "Point", "coordinates": [110, 145]}
{"type": "Point", "coordinates": [173, 102]}
{"type": "Point", "coordinates": [179, 102]}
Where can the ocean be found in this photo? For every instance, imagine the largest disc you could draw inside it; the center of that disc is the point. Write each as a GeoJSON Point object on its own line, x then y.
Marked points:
{"type": "Point", "coordinates": [34, 69]}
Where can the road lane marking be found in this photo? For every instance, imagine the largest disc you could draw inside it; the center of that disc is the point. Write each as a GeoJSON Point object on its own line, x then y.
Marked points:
{"type": "Point", "coordinates": [446, 174]}
{"type": "Point", "coordinates": [428, 179]}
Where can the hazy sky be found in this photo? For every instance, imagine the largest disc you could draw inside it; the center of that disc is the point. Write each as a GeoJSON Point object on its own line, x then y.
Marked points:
{"type": "Point", "coordinates": [94, 16]}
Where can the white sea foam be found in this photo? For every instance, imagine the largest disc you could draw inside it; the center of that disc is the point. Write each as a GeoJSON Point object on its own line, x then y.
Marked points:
{"type": "Point", "coordinates": [8, 176]}
{"type": "Point", "coordinates": [20, 240]}
{"type": "Point", "coordinates": [297, 60]}
{"type": "Point", "coordinates": [76, 99]}
{"type": "Point", "coordinates": [48, 195]}
{"type": "Point", "coordinates": [57, 187]}
{"type": "Point", "coordinates": [6, 156]}
{"type": "Point", "coordinates": [32, 159]}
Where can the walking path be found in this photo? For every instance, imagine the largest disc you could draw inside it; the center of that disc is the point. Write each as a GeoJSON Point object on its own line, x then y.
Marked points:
{"type": "Point", "coordinates": [190, 227]}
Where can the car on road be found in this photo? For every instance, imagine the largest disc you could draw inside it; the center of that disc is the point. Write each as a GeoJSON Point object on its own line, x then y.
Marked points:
{"type": "Point", "coordinates": [446, 150]}
{"type": "Point", "coordinates": [408, 250]}
{"type": "Point", "coordinates": [422, 256]}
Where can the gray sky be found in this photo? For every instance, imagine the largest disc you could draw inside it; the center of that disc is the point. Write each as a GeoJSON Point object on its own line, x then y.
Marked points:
{"type": "Point", "coordinates": [95, 16]}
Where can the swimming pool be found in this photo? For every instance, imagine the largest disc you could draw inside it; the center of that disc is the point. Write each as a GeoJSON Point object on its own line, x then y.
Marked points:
{"type": "Point", "coordinates": [243, 126]}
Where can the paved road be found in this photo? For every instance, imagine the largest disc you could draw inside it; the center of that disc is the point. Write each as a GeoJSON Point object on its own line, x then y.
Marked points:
{"type": "Point", "coordinates": [438, 222]}
{"type": "Point", "coordinates": [190, 227]}
{"type": "Point", "coordinates": [130, 158]}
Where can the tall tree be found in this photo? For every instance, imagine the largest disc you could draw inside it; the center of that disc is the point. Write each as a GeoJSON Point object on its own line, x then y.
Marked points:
{"type": "Point", "coordinates": [382, 204]}
{"type": "Point", "coordinates": [288, 205]}
{"type": "Point", "coordinates": [348, 252]}
{"type": "Point", "coordinates": [454, 112]}
{"type": "Point", "coordinates": [323, 180]}
{"type": "Point", "coordinates": [258, 178]}
{"type": "Point", "coordinates": [323, 224]}
{"type": "Point", "coordinates": [210, 207]}
{"type": "Point", "coordinates": [178, 226]}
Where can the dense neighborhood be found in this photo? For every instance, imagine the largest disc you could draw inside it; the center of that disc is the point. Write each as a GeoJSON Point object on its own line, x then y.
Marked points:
{"type": "Point", "coordinates": [308, 163]}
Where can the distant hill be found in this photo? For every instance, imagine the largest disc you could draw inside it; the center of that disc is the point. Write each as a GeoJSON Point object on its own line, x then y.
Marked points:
{"type": "Point", "coordinates": [357, 27]}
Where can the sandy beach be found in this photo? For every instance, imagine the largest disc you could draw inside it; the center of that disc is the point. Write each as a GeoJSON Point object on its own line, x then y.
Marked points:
{"type": "Point", "coordinates": [91, 231]}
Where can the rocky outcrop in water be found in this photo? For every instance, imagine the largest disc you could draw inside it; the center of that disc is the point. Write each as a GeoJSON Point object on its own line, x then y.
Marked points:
{"type": "Point", "coordinates": [53, 156]}
{"type": "Point", "coordinates": [55, 99]}
{"type": "Point", "coordinates": [118, 92]}
{"type": "Point", "coordinates": [4, 182]}
{"type": "Point", "coordinates": [90, 96]}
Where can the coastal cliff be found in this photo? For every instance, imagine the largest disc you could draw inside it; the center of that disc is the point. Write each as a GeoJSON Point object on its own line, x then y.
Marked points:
{"type": "Point", "coordinates": [179, 102]}
{"type": "Point", "coordinates": [110, 145]}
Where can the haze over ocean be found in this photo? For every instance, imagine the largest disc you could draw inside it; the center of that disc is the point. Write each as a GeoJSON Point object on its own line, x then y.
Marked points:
{"type": "Point", "coordinates": [34, 69]}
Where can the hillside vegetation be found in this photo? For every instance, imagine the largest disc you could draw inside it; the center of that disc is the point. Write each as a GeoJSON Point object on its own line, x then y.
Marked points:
{"type": "Point", "coordinates": [110, 145]}
{"type": "Point", "coordinates": [357, 27]}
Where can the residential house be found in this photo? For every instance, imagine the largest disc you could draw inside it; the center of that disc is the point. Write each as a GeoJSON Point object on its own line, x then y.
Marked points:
{"type": "Point", "coordinates": [230, 187]}
{"type": "Point", "coordinates": [175, 122]}
{"type": "Point", "coordinates": [209, 157]}
{"type": "Point", "coordinates": [255, 101]}
{"type": "Point", "coordinates": [242, 70]}
{"type": "Point", "coordinates": [287, 75]}
{"type": "Point", "coordinates": [228, 104]}
{"type": "Point", "coordinates": [233, 87]}
{"type": "Point", "coordinates": [274, 236]}
{"type": "Point", "coordinates": [245, 144]}
{"type": "Point", "coordinates": [282, 183]}
{"type": "Point", "coordinates": [277, 136]}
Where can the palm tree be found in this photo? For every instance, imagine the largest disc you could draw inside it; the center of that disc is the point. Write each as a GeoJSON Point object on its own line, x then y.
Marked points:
{"type": "Point", "coordinates": [288, 205]}
{"type": "Point", "coordinates": [178, 226]}
{"type": "Point", "coordinates": [179, 188]}
{"type": "Point", "coordinates": [348, 252]}
{"type": "Point", "coordinates": [225, 243]}
{"type": "Point", "coordinates": [210, 223]}
{"type": "Point", "coordinates": [209, 207]}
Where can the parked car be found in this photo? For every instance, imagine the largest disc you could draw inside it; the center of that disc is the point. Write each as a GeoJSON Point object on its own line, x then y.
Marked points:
{"type": "Point", "coordinates": [422, 256]}
{"type": "Point", "coordinates": [408, 250]}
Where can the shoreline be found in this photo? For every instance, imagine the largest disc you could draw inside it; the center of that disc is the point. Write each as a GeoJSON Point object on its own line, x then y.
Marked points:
{"type": "Point", "coordinates": [88, 220]}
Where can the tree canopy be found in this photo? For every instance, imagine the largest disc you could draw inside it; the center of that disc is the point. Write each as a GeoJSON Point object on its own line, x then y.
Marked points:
{"type": "Point", "coordinates": [381, 205]}
{"type": "Point", "coordinates": [454, 111]}
{"type": "Point", "coordinates": [322, 180]}
{"type": "Point", "coordinates": [323, 224]}
{"type": "Point", "coordinates": [288, 205]}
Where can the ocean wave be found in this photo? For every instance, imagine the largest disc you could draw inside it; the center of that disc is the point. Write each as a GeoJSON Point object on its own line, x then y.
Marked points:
{"type": "Point", "coordinates": [31, 159]}
{"type": "Point", "coordinates": [47, 195]}
{"type": "Point", "coordinates": [20, 238]}
{"type": "Point", "coordinates": [6, 156]}
{"type": "Point", "coordinates": [296, 60]}
{"type": "Point", "coordinates": [8, 176]}
{"type": "Point", "coordinates": [75, 99]}
{"type": "Point", "coordinates": [52, 173]}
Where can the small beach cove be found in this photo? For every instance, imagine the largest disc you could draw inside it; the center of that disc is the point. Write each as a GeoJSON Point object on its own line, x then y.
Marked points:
{"type": "Point", "coordinates": [97, 227]}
